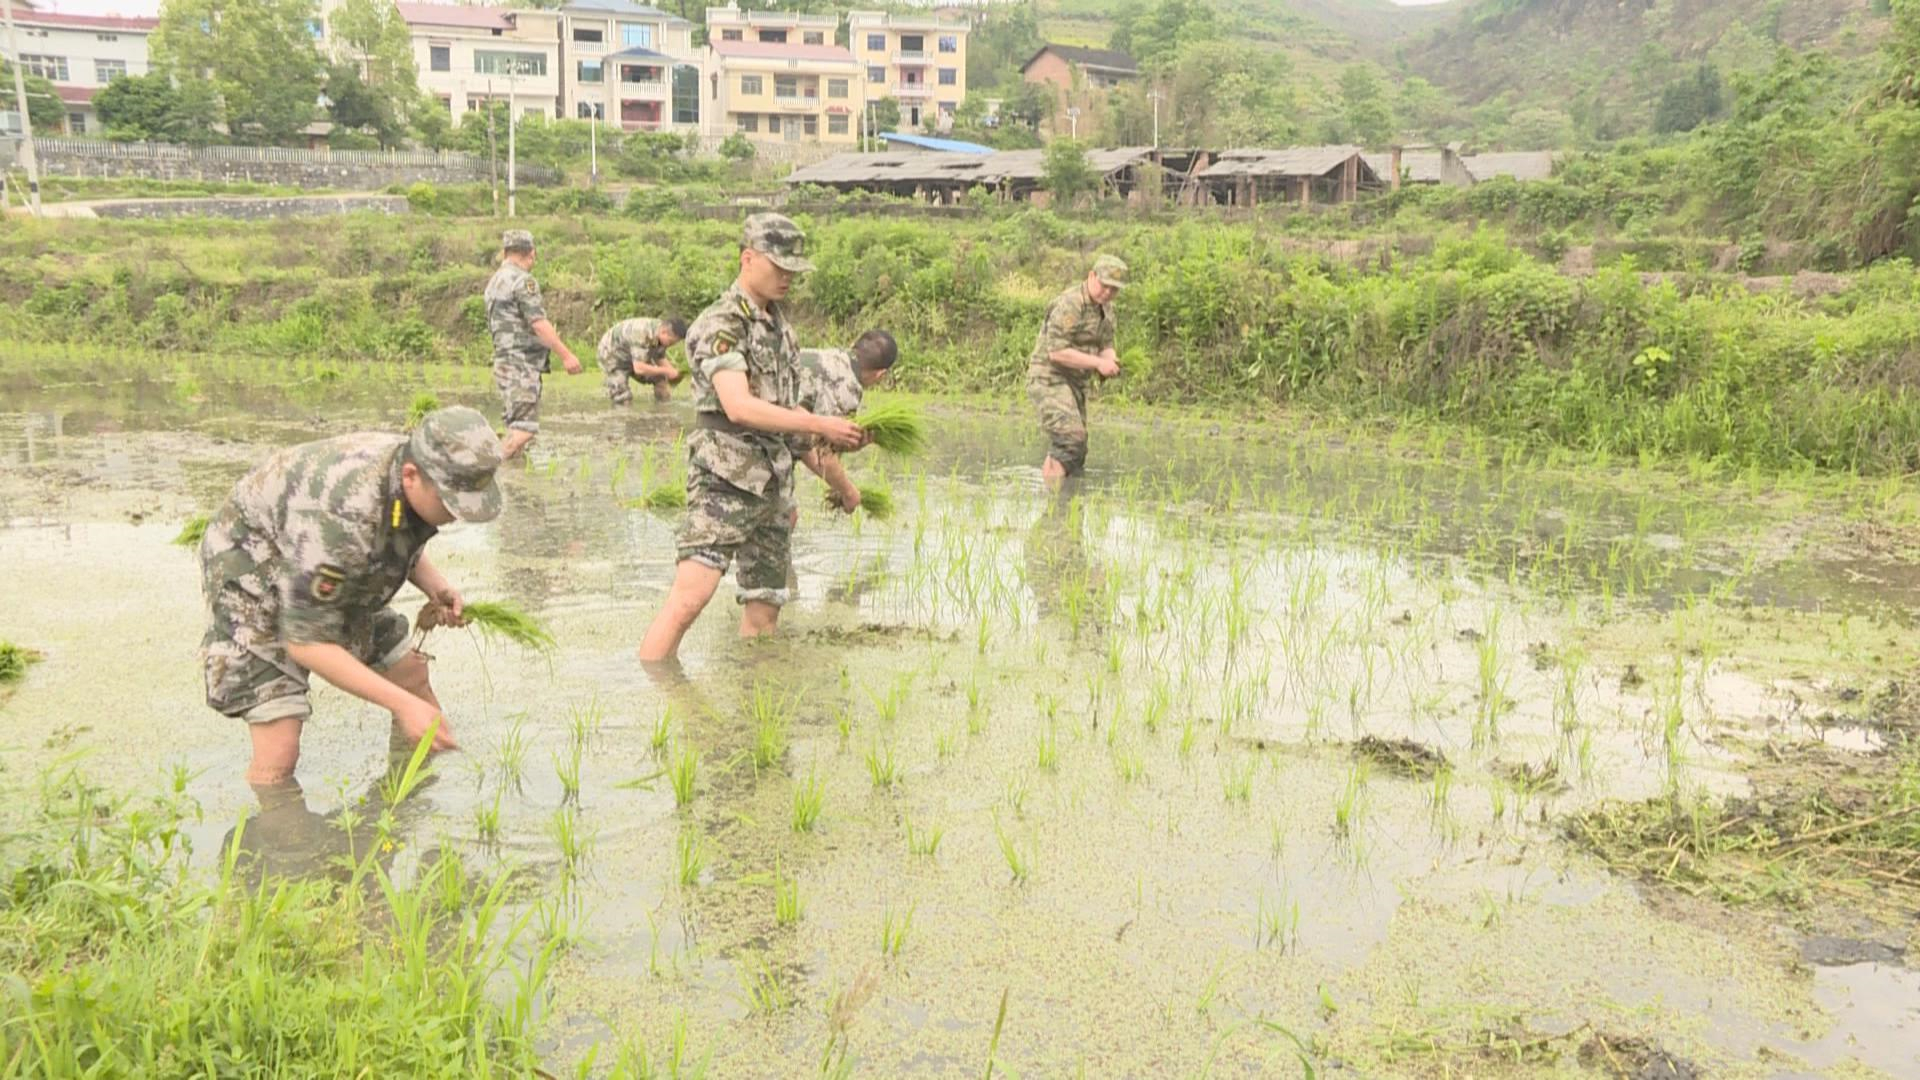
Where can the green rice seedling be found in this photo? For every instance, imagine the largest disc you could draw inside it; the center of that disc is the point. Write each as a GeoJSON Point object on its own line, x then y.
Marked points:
{"type": "Point", "coordinates": [894, 427]}
{"type": "Point", "coordinates": [681, 773]}
{"type": "Point", "coordinates": [486, 821]}
{"type": "Point", "coordinates": [923, 842]}
{"type": "Point", "coordinates": [193, 531]}
{"type": "Point", "coordinates": [513, 751]}
{"type": "Point", "coordinates": [664, 497]}
{"type": "Point", "coordinates": [1127, 763]}
{"type": "Point", "coordinates": [1014, 794]}
{"type": "Point", "coordinates": [765, 994]}
{"type": "Point", "coordinates": [1018, 863]}
{"type": "Point", "coordinates": [568, 770]}
{"type": "Point", "coordinates": [876, 502]}
{"type": "Point", "coordinates": [944, 743]}
{"type": "Point", "coordinates": [619, 473]}
{"type": "Point", "coordinates": [417, 410]}
{"type": "Point", "coordinates": [999, 1023]}
{"type": "Point", "coordinates": [1187, 734]}
{"type": "Point", "coordinates": [14, 661]}
{"type": "Point", "coordinates": [570, 837]}
{"type": "Point", "coordinates": [1348, 807]}
{"type": "Point", "coordinates": [894, 930]}
{"type": "Point", "coordinates": [690, 857]}
{"type": "Point", "coordinates": [808, 798]}
{"type": "Point", "coordinates": [662, 731]}
{"type": "Point", "coordinates": [882, 768]}
{"type": "Point", "coordinates": [1237, 781]}
{"type": "Point", "coordinates": [843, 723]}
{"type": "Point", "coordinates": [786, 897]}
{"type": "Point", "coordinates": [1048, 751]}
{"type": "Point", "coordinates": [496, 619]}
{"type": "Point", "coordinates": [771, 716]}
{"type": "Point", "coordinates": [584, 722]}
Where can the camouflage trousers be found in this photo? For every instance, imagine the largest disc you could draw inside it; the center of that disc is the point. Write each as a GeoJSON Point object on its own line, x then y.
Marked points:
{"type": "Point", "coordinates": [619, 378]}
{"type": "Point", "coordinates": [1062, 404]}
{"type": "Point", "coordinates": [248, 672]}
{"type": "Point", "coordinates": [519, 387]}
{"type": "Point", "coordinates": [727, 525]}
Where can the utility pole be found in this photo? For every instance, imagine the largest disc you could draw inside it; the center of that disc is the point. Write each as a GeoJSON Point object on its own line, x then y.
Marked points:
{"type": "Point", "coordinates": [27, 156]}
{"type": "Point", "coordinates": [1154, 96]}
{"type": "Point", "coordinates": [1073, 122]}
{"type": "Point", "coordinates": [493, 154]}
{"type": "Point", "coordinates": [593, 149]}
{"type": "Point", "coordinates": [513, 174]}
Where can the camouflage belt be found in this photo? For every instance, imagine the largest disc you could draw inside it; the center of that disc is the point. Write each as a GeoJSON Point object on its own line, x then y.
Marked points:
{"type": "Point", "coordinates": [714, 421]}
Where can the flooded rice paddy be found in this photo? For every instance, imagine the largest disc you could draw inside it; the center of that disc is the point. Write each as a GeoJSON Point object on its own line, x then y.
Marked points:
{"type": "Point", "coordinates": [1253, 748]}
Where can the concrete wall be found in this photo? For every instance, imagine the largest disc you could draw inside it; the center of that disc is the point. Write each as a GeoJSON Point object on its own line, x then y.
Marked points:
{"type": "Point", "coordinates": [250, 209]}
{"type": "Point", "coordinates": [350, 170]}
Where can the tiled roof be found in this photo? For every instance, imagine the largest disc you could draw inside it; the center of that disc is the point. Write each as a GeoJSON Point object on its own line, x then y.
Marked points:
{"type": "Point", "coordinates": [1111, 59]}
{"type": "Point", "coordinates": [130, 24]}
{"type": "Point", "coordinates": [470, 16]}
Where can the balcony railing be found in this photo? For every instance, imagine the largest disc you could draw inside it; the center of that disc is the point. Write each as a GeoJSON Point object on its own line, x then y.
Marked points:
{"type": "Point", "coordinates": [913, 90]}
{"type": "Point", "coordinates": [911, 56]}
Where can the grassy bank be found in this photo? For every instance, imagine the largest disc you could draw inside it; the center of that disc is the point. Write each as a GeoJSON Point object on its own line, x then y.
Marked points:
{"type": "Point", "coordinates": [1469, 331]}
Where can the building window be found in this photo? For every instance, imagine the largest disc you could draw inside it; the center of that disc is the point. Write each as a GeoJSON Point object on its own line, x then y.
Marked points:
{"type": "Point", "coordinates": [811, 125]}
{"type": "Point", "coordinates": [949, 76]}
{"type": "Point", "coordinates": [876, 74]}
{"type": "Point", "coordinates": [440, 57]}
{"type": "Point", "coordinates": [533, 112]}
{"type": "Point", "coordinates": [316, 28]}
{"type": "Point", "coordinates": [590, 71]}
{"type": "Point", "coordinates": [773, 124]}
{"type": "Point", "coordinates": [686, 94]}
{"type": "Point", "coordinates": [446, 104]}
{"type": "Point", "coordinates": [750, 85]}
{"type": "Point", "coordinates": [793, 131]}
{"type": "Point", "coordinates": [876, 43]}
{"type": "Point", "coordinates": [786, 86]}
{"type": "Point", "coordinates": [814, 37]}
{"type": "Point", "coordinates": [773, 37]}
{"type": "Point", "coordinates": [912, 46]}
{"type": "Point", "coordinates": [476, 103]}
{"type": "Point", "coordinates": [509, 63]}
{"type": "Point", "coordinates": [837, 124]}
{"type": "Point", "coordinates": [105, 71]}
{"type": "Point", "coordinates": [730, 35]}
{"type": "Point", "coordinates": [583, 110]}
{"type": "Point", "coordinates": [949, 43]}
{"type": "Point", "coordinates": [47, 67]}
{"type": "Point", "coordinates": [586, 36]}
{"type": "Point", "coordinates": [836, 88]}
{"type": "Point", "coordinates": [634, 73]}
{"type": "Point", "coordinates": [749, 122]}
{"type": "Point", "coordinates": [636, 35]}
{"type": "Point", "coordinates": [103, 37]}
{"type": "Point", "coordinates": [76, 123]}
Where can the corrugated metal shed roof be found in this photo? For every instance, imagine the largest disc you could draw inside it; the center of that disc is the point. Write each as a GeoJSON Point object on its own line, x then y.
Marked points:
{"type": "Point", "coordinates": [945, 146]}
{"type": "Point", "coordinates": [1421, 166]}
{"type": "Point", "coordinates": [1292, 161]}
{"type": "Point", "coordinates": [914, 168]}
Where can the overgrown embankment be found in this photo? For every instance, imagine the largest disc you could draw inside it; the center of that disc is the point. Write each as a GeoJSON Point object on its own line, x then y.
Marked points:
{"type": "Point", "coordinates": [1471, 330]}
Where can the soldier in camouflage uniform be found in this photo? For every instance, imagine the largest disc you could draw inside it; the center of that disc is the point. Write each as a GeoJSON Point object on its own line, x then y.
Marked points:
{"type": "Point", "coordinates": [832, 383]}
{"type": "Point", "coordinates": [636, 349]}
{"type": "Point", "coordinates": [1075, 341]}
{"type": "Point", "coordinates": [299, 565]}
{"type": "Point", "coordinates": [741, 353]}
{"type": "Point", "coordinates": [522, 338]}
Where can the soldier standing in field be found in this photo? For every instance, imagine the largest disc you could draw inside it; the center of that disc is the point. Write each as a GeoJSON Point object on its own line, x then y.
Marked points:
{"type": "Point", "coordinates": [1075, 342]}
{"type": "Point", "coordinates": [522, 339]}
{"type": "Point", "coordinates": [300, 564]}
{"type": "Point", "coordinates": [832, 383]}
{"type": "Point", "coordinates": [636, 350]}
{"type": "Point", "coordinates": [741, 353]}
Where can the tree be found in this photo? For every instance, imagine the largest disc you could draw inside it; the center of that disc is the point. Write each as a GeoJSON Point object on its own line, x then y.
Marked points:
{"type": "Point", "coordinates": [355, 106]}
{"type": "Point", "coordinates": [1687, 104]}
{"type": "Point", "coordinates": [737, 147]}
{"type": "Point", "coordinates": [886, 115]}
{"type": "Point", "coordinates": [1221, 94]}
{"type": "Point", "coordinates": [1421, 110]}
{"type": "Point", "coordinates": [1006, 36]}
{"type": "Point", "coordinates": [1068, 173]}
{"type": "Point", "coordinates": [1156, 36]}
{"type": "Point", "coordinates": [432, 123]}
{"type": "Point", "coordinates": [45, 110]}
{"type": "Point", "coordinates": [258, 54]}
{"type": "Point", "coordinates": [1364, 113]}
{"type": "Point", "coordinates": [374, 38]}
{"type": "Point", "coordinates": [1539, 129]}
{"type": "Point", "coordinates": [1030, 104]}
{"type": "Point", "coordinates": [150, 108]}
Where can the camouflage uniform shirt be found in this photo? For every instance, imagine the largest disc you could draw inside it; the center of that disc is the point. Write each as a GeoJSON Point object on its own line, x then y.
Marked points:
{"type": "Point", "coordinates": [513, 306]}
{"type": "Point", "coordinates": [828, 384]}
{"type": "Point", "coordinates": [629, 340]}
{"type": "Point", "coordinates": [733, 335]}
{"type": "Point", "coordinates": [1073, 321]}
{"type": "Point", "coordinates": [311, 547]}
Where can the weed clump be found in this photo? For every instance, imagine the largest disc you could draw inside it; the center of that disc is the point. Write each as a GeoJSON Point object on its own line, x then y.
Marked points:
{"type": "Point", "coordinates": [423, 403]}
{"type": "Point", "coordinates": [894, 427]}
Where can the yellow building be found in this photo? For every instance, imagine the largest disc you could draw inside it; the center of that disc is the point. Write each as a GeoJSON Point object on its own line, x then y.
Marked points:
{"type": "Point", "coordinates": [779, 77]}
{"type": "Point", "coordinates": [921, 62]}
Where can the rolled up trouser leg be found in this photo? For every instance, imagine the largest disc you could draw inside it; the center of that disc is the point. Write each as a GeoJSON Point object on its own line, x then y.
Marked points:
{"type": "Point", "coordinates": [726, 525]}
{"type": "Point", "coordinates": [519, 387]}
{"type": "Point", "coordinates": [615, 379]}
{"type": "Point", "coordinates": [1063, 416]}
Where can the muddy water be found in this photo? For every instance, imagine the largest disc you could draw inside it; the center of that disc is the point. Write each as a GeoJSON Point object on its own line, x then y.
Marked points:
{"type": "Point", "coordinates": [1145, 692]}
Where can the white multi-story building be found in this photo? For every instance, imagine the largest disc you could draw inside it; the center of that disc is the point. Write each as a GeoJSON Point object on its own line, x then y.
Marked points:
{"type": "Point", "coordinates": [469, 55]}
{"type": "Point", "coordinates": [630, 66]}
{"type": "Point", "coordinates": [779, 77]}
{"type": "Point", "coordinates": [81, 54]}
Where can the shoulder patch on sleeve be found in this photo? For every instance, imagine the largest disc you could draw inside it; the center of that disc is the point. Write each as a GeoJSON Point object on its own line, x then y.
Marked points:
{"type": "Point", "coordinates": [323, 585]}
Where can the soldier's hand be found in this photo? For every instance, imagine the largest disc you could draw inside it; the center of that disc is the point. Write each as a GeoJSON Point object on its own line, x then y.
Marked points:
{"type": "Point", "coordinates": [847, 501]}
{"type": "Point", "coordinates": [416, 718]}
{"type": "Point", "coordinates": [838, 432]}
{"type": "Point", "coordinates": [674, 379]}
{"type": "Point", "coordinates": [637, 365]}
{"type": "Point", "coordinates": [1107, 368]}
{"type": "Point", "coordinates": [571, 363]}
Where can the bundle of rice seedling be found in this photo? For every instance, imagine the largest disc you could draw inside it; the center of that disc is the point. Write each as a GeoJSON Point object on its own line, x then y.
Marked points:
{"type": "Point", "coordinates": [661, 498]}
{"type": "Point", "coordinates": [877, 502]}
{"type": "Point", "coordinates": [504, 620]}
{"type": "Point", "coordinates": [193, 531]}
{"type": "Point", "coordinates": [894, 427]}
{"type": "Point", "coordinates": [14, 660]}
{"type": "Point", "coordinates": [422, 405]}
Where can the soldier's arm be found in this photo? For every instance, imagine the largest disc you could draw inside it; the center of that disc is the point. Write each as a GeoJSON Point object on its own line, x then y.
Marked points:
{"type": "Point", "coordinates": [428, 579]}
{"type": "Point", "coordinates": [736, 398]}
{"type": "Point", "coordinates": [826, 465]}
{"type": "Point", "coordinates": [1056, 338]}
{"type": "Point", "coordinates": [344, 670]}
{"type": "Point", "coordinates": [535, 310]}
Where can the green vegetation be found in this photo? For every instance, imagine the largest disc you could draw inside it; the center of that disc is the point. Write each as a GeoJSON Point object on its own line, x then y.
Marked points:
{"type": "Point", "coordinates": [894, 426]}
{"type": "Point", "coordinates": [664, 497]}
{"type": "Point", "coordinates": [194, 531]}
{"type": "Point", "coordinates": [14, 661]}
{"type": "Point", "coordinates": [877, 502]}
{"type": "Point", "coordinates": [504, 620]}
{"type": "Point", "coordinates": [422, 404]}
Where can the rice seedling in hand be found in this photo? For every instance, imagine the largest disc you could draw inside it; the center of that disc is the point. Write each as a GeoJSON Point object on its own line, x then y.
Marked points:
{"type": "Point", "coordinates": [502, 620]}
{"type": "Point", "coordinates": [876, 501]}
{"type": "Point", "coordinates": [664, 497]}
{"type": "Point", "coordinates": [193, 531]}
{"type": "Point", "coordinates": [423, 404]}
{"type": "Point", "coordinates": [894, 427]}
{"type": "Point", "coordinates": [14, 660]}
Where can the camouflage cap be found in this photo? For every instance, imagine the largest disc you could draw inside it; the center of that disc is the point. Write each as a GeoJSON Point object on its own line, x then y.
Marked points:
{"type": "Point", "coordinates": [1111, 271]}
{"type": "Point", "coordinates": [516, 240]}
{"type": "Point", "coordinates": [779, 239]}
{"type": "Point", "coordinates": [459, 452]}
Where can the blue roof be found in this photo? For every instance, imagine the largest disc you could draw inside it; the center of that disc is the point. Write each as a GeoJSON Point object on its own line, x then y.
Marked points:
{"type": "Point", "coordinates": [946, 146]}
{"type": "Point", "coordinates": [637, 53]}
